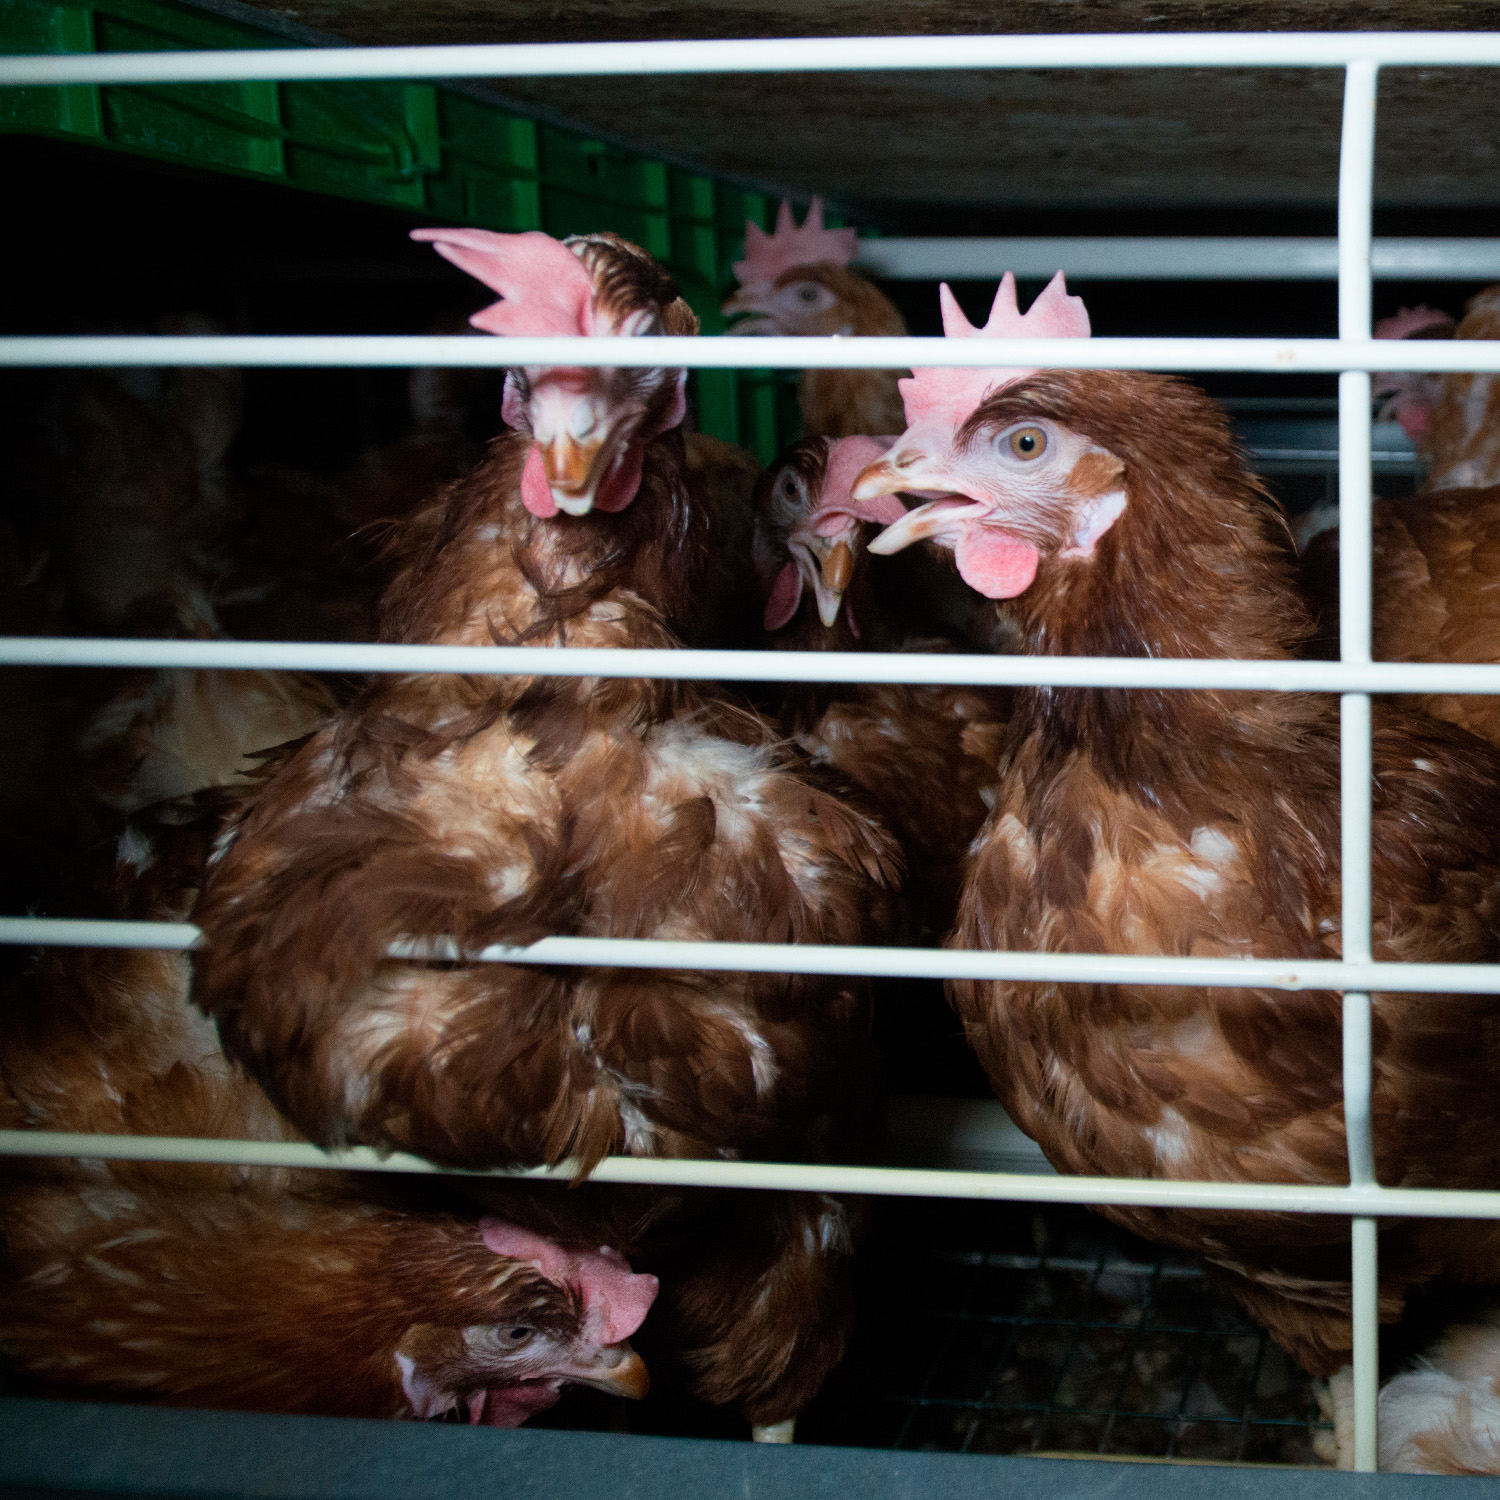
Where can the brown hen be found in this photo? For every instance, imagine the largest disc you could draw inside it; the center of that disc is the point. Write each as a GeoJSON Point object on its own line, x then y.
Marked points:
{"type": "Point", "coordinates": [797, 282]}
{"type": "Point", "coordinates": [1114, 514]}
{"type": "Point", "coordinates": [250, 1287]}
{"type": "Point", "coordinates": [501, 810]}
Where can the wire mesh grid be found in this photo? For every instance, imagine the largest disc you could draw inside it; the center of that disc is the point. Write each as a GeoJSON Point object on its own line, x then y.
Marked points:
{"type": "Point", "coordinates": [1107, 1354]}
{"type": "Point", "coordinates": [1054, 1332]}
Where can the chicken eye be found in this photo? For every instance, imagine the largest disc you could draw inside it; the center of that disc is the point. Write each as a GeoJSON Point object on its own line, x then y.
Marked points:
{"type": "Point", "coordinates": [519, 1334]}
{"type": "Point", "coordinates": [1028, 442]}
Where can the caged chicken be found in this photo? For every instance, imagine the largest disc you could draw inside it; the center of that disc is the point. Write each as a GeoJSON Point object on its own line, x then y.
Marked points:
{"type": "Point", "coordinates": [1113, 514]}
{"type": "Point", "coordinates": [1436, 554]}
{"type": "Point", "coordinates": [1453, 419]}
{"type": "Point", "coordinates": [925, 756]}
{"type": "Point", "coordinates": [798, 282]}
{"type": "Point", "coordinates": [500, 810]}
{"type": "Point", "coordinates": [254, 1287]}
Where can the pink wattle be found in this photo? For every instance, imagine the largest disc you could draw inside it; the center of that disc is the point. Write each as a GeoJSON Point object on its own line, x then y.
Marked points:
{"type": "Point", "coordinates": [786, 595]}
{"type": "Point", "coordinates": [1415, 417]}
{"type": "Point", "coordinates": [997, 564]}
{"type": "Point", "coordinates": [620, 486]}
{"type": "Point", "coordinates": [536, 493]}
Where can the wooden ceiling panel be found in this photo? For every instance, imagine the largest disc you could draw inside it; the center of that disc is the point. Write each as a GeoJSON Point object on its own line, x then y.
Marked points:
{"type": "Point", "coordinates": [1142, 139]}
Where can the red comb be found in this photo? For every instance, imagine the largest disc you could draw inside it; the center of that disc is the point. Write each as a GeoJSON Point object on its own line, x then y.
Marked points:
{"type": "Point", "coordinates": [768, 255]}
{"type": "Point", "coordinates": [615, 1298]}
{"type": "Point", "coordinates": [848, 458]}
{"type": "Point", "coordinates": [545, 288]}
{"type": "Point", "coordinates": [950, 395]}
{"type": "Point", "coordinates": [1412, 320]}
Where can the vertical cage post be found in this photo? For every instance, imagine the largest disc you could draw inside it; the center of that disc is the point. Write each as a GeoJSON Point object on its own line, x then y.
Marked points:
{"type": "Point", "coordinates": [1356, 194]}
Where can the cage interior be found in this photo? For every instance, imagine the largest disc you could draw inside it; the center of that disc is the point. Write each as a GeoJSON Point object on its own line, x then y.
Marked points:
{"type": "Point", "coordinates": [984, 1329]}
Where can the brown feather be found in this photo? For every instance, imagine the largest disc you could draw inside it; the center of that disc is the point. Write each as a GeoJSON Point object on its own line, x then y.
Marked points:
{"type": "Point", "coordinates": [1436, 593]}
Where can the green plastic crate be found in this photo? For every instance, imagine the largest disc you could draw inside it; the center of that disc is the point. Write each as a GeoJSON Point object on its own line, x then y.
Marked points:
{"type": "Point", "coordinates": [445, 154]}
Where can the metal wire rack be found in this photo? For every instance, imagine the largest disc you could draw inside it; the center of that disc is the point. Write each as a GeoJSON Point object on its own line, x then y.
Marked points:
{"type": "Point", "coordinates": [1095, 1342]}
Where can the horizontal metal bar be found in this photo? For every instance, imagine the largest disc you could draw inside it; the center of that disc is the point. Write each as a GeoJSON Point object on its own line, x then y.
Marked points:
{"type": "Point", "coordinates": [1309, 458]}
{"type": "Point", "coordinates": [759, 666]}
{"type": "Point", "coordinates": [728, 352]}
{"type": "Point", "coordinates": [771, 55]}
{"type": "Point", "coordinates": [1290, 974]}
{"type": "Point", "coordinates": [895, 1182]}
{"type": "Point", "coordinates": [1152, 258]}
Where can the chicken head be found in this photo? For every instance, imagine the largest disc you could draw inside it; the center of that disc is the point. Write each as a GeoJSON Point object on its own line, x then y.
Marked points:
{"type": "Point", "coordinates": [572, 1313]}
{"type": "Point", "coordinates": [1408, 396]}
{"type": "Point", "coordinates": [809, 528]}
{"type": "Point", "coordinates": [1003, 485]}
{"type": "Point", "coordinates": [797, 282]}
{"type": "Point", "coordinates": [589, 426]}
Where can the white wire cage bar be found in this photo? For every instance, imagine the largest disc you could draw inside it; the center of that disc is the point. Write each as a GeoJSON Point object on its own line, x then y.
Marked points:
{"type": "Point", "coordinates": [731, 352]}
{"type": "Point", "coordinates": [705, 665]}
{"type": "Point", "coordinates": [1171, 258]}
{"type": "Point", "coordinates": [1353, 354]}
{"type": "Point", "coordinates": [1290, 975]}
{"type": "Point", "coordinates": [1365, 1200]}
{"type": "Point", "coordinates": [1356, 775]}
{"type": "Point", "coordinates": [1246, 49]}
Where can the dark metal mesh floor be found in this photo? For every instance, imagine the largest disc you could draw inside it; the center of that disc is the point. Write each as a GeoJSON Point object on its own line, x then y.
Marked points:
{"type": "Point", "coordinates": [1011, 1331]}
{"type": "Point", "coordinates": [993, 1328]}
{"type": "Point", "coordinates": [1107, 1353]}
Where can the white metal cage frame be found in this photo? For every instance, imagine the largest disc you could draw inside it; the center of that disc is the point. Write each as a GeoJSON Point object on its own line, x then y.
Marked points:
{"type": "Point", "coordinates": [1352, 355]}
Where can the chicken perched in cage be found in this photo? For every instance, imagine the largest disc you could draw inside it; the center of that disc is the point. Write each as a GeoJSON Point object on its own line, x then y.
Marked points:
{"type": "Point", "coordinates": [924, 755]}
{"type": "Point", "coordinates": [798, 282]}
{"type": "Point", "coordinates": [1453, 419]}
{"type": "Point", "coordinates": [478, 811]}
{"type": "Point", "coordinates": [1113, 515]}
{"type": "Point", "coordinates": [254, 1287]}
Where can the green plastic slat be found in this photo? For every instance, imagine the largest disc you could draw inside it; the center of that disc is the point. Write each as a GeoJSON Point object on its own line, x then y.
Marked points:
{"type": "Point", "coordinates": [443, 155]}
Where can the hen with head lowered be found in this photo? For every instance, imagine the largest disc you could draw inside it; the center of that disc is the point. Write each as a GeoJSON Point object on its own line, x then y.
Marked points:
{"type": "Point", "coordinates": [797, 282]}
{"type": "Point", "coordinates": [255, 1287]}
{"type": "Point", "coordinates": [1113, 514]}
{"type": "Point", "coordinates": [498, 810]}
{"type": "Point", "coordinates": [924, 755]}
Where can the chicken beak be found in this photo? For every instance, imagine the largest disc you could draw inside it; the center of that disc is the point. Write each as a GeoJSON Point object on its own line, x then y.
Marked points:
{"type": "Point", "coordinates": [573, 471]}
{"type": "Point", "coordinates": [752, 306]}
{"type": "Point", "coordinates": [908, 470]}
{"type": "Point", "coordinates": [831, 580]}
{"type": "Point", "coordinates": [744, 300]}
{"type": "Point", "coordinates": [903, 470]}
{"type": "Point", "coordinates": [838, 567]}
{"type": "Point", "coordinates": [615, 1368]}
{"type": "Point", "coordinates": [937, 520]}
